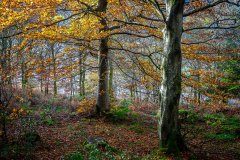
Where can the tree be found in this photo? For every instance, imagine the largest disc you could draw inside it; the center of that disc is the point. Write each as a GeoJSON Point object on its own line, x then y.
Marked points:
{"type": "Point", "coordinates": [169, 133]}
{"type": "Point", "coordinates": [103, 93]}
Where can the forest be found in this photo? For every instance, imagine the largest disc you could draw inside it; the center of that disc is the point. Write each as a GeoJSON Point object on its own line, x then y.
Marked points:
{"type": "Point", "coordinates": [120, 79]}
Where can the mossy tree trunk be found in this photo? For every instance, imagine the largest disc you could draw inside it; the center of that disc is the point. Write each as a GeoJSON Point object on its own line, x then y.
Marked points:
{"type": "Point", "coordinates": [169, 133]}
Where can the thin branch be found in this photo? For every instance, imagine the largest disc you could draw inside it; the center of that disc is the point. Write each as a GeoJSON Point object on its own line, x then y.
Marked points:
{"type": "Point", "coordinates": [204, 8]}
{"type": "Point", "coordinates": [210, 28]}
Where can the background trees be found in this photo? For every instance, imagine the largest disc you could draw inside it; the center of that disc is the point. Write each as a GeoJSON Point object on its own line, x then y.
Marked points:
{"type": "Point", "coordinates": [148, 50]}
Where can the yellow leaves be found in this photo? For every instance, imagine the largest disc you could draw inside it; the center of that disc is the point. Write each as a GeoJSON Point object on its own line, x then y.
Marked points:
{"type": "Point", "coordinates": [20, 110]}
{"type": "Point", "coordinates": [87, 27]}
{"type": "Point", "coordinates": [58, 18]}
{"type": "Point", "coordinates": [15, 113]}
{"type": "Point", "coordinates": [14, 110]}
{"type": "Point", "coordinates": [86, 105]}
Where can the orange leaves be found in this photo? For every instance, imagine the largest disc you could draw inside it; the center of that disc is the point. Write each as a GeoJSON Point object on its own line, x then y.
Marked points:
{"type": "Point", "coordinates": [17, 12]}
{"type": "Point", "coordinates": [205, 85]}
{"type": "Point", "coordinates": [86, 105]}
{"type": "Point", "coordinates": [203, 53]}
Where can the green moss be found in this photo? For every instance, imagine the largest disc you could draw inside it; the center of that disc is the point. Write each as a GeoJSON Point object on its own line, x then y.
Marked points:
{"type": "Point", "coordinates": [188, 116]}
{"type": "Point", "coordinates": [221, 136]}
{"type": "Point", "coordinates": [156, 154]}
{"type": "Point", "coordinates": [136, 128]}
{"type": "Point", "coordinates": [74, 156]}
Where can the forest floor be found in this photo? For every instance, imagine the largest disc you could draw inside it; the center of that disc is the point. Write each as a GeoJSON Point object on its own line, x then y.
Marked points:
{"type": "Point", "coordinates": [60, 134]}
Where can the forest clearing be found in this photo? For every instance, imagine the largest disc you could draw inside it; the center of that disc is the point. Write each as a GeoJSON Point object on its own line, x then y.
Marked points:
{"type": "Point", "coordinates": [120, 79]}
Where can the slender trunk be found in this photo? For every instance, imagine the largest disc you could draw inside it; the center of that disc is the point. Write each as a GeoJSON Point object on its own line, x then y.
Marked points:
{"type": "Point", "coordinates": [24, 74]}
{"type": "Point", "coordinates": [199, 94]}
{"type": "Point", "coordinates": [103, 96]}
{"type": "Point", "coordinates": [110, 84]}
{"type": "Point", "coordinates": [71, 79]}
{"type": "Point", "coordinates": [71, 87]}
{"type": "Point", "coordinates": [80, 74]}
{"type": "Point", "coordinates": [131, 92]}
{"type": "Point", "coordinates": [9, 62]}
{"type": "Point", "coordinates": [46, 87]}
{"type": "Point", "coordinates": [83, 81]}
{"type": "Point", "coordinates": [54, 70]}
{"type": "Point", "coordinates": [41, 74]}
{"type": "Point", "coordinates": [169, 133]}
{"type": "Point", "coordinates": [48, 79]}
{"type": "Point", "coordinates": [55, 83]}
{"type": "Point", "coordinates": [82, 59]}
{"type": "Point", "coordinates": [3, 58]}
{"type": "Point", "coordinates": [41, 84]}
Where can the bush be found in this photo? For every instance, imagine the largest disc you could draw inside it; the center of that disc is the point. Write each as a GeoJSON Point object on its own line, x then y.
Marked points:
{"type": "Point", "coordinates": [49, 121]}
{"type": "Point", "coordinates": [125, 103]}
{"type": "Point", "coordinates": [86, 105]}
{"type": "Point", "coordinates": [188, 116]}
{"type": "Point", "coordinates": [214, 117]}
{"type": "Point", "coordinates": [46, 117]}
{"type": "Point", "coordinates": [94, 153]}
{"type": "Point", "coordinates": [98, 152]}
{"type": "Point", "coordinates": [74, 156]}
{"type": "Point", "coordinates": [119, 113]}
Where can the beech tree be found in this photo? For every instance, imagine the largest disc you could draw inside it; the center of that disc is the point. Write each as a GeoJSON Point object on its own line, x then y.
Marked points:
{"type": "Point", "coordinates": [172, 16]}
{"type": "Point", "coordinates": [103, 93]}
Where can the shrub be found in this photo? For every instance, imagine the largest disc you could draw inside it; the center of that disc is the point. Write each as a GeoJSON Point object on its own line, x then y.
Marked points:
{"type": "Point", "coordinates": [74, 156]}
{"type": "Point", "coordinates": [188, 116]}
{"type": "Point", "coordinates": [46, 117]}
{"type": "Point", "coordinates": [50, 121]}
{"type": "Point", "coordinates": [214, 117]}
{"type": "Point", "coordinates": [119, 113]}
{"type": "Point", "coordinates": [94, 153]}
{"type": "Point", "coordinates": [86, 105]}
{"type": "Point", "coordinates": [125, 102]}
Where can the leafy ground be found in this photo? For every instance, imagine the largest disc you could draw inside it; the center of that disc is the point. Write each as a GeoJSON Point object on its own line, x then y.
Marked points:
{"type": "Point", "coordinates": [58, 133]}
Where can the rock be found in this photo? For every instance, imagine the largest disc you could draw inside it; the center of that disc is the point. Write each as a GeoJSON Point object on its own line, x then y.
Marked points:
{"type": "Point", "coordinates": [98, 141]}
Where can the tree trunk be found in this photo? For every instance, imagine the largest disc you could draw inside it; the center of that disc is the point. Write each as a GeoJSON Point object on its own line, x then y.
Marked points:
{"type": "Point", "coordinates": [103, 96]}
{"type": "Point", "coordinates": [41, 74]}
{"type": "Point", "coordinates": [47, 80]}
{"type": "Point", "coordinates": [24, 74]}
{"type": "Point", "coordinates": [82, 59]}
{"type": "Point", "coordinates": [110, 89]}
{"type": "Point", "coordinates": [9, 80]}
{"type": "Point", "coordinates": [54, 70]}
{"type": "Point", "coordinates": [102, 105]}
{"type": "Point", "coordinates": [169, 133]}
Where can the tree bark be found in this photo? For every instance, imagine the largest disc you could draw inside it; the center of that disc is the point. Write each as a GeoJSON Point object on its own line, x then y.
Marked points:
{"type": "Point", "coordinates": [54, 70]}
{"type": "Point", "coordinates": [103, 105]}
{"type": "Point", "coordinates": [169, 133]}
{"type": "Point", "coordinates": [82, 58]}
{"type": "Point", "coordinates": [110, 84]}
{"type": "Point", "coordinates": [103, 96]}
